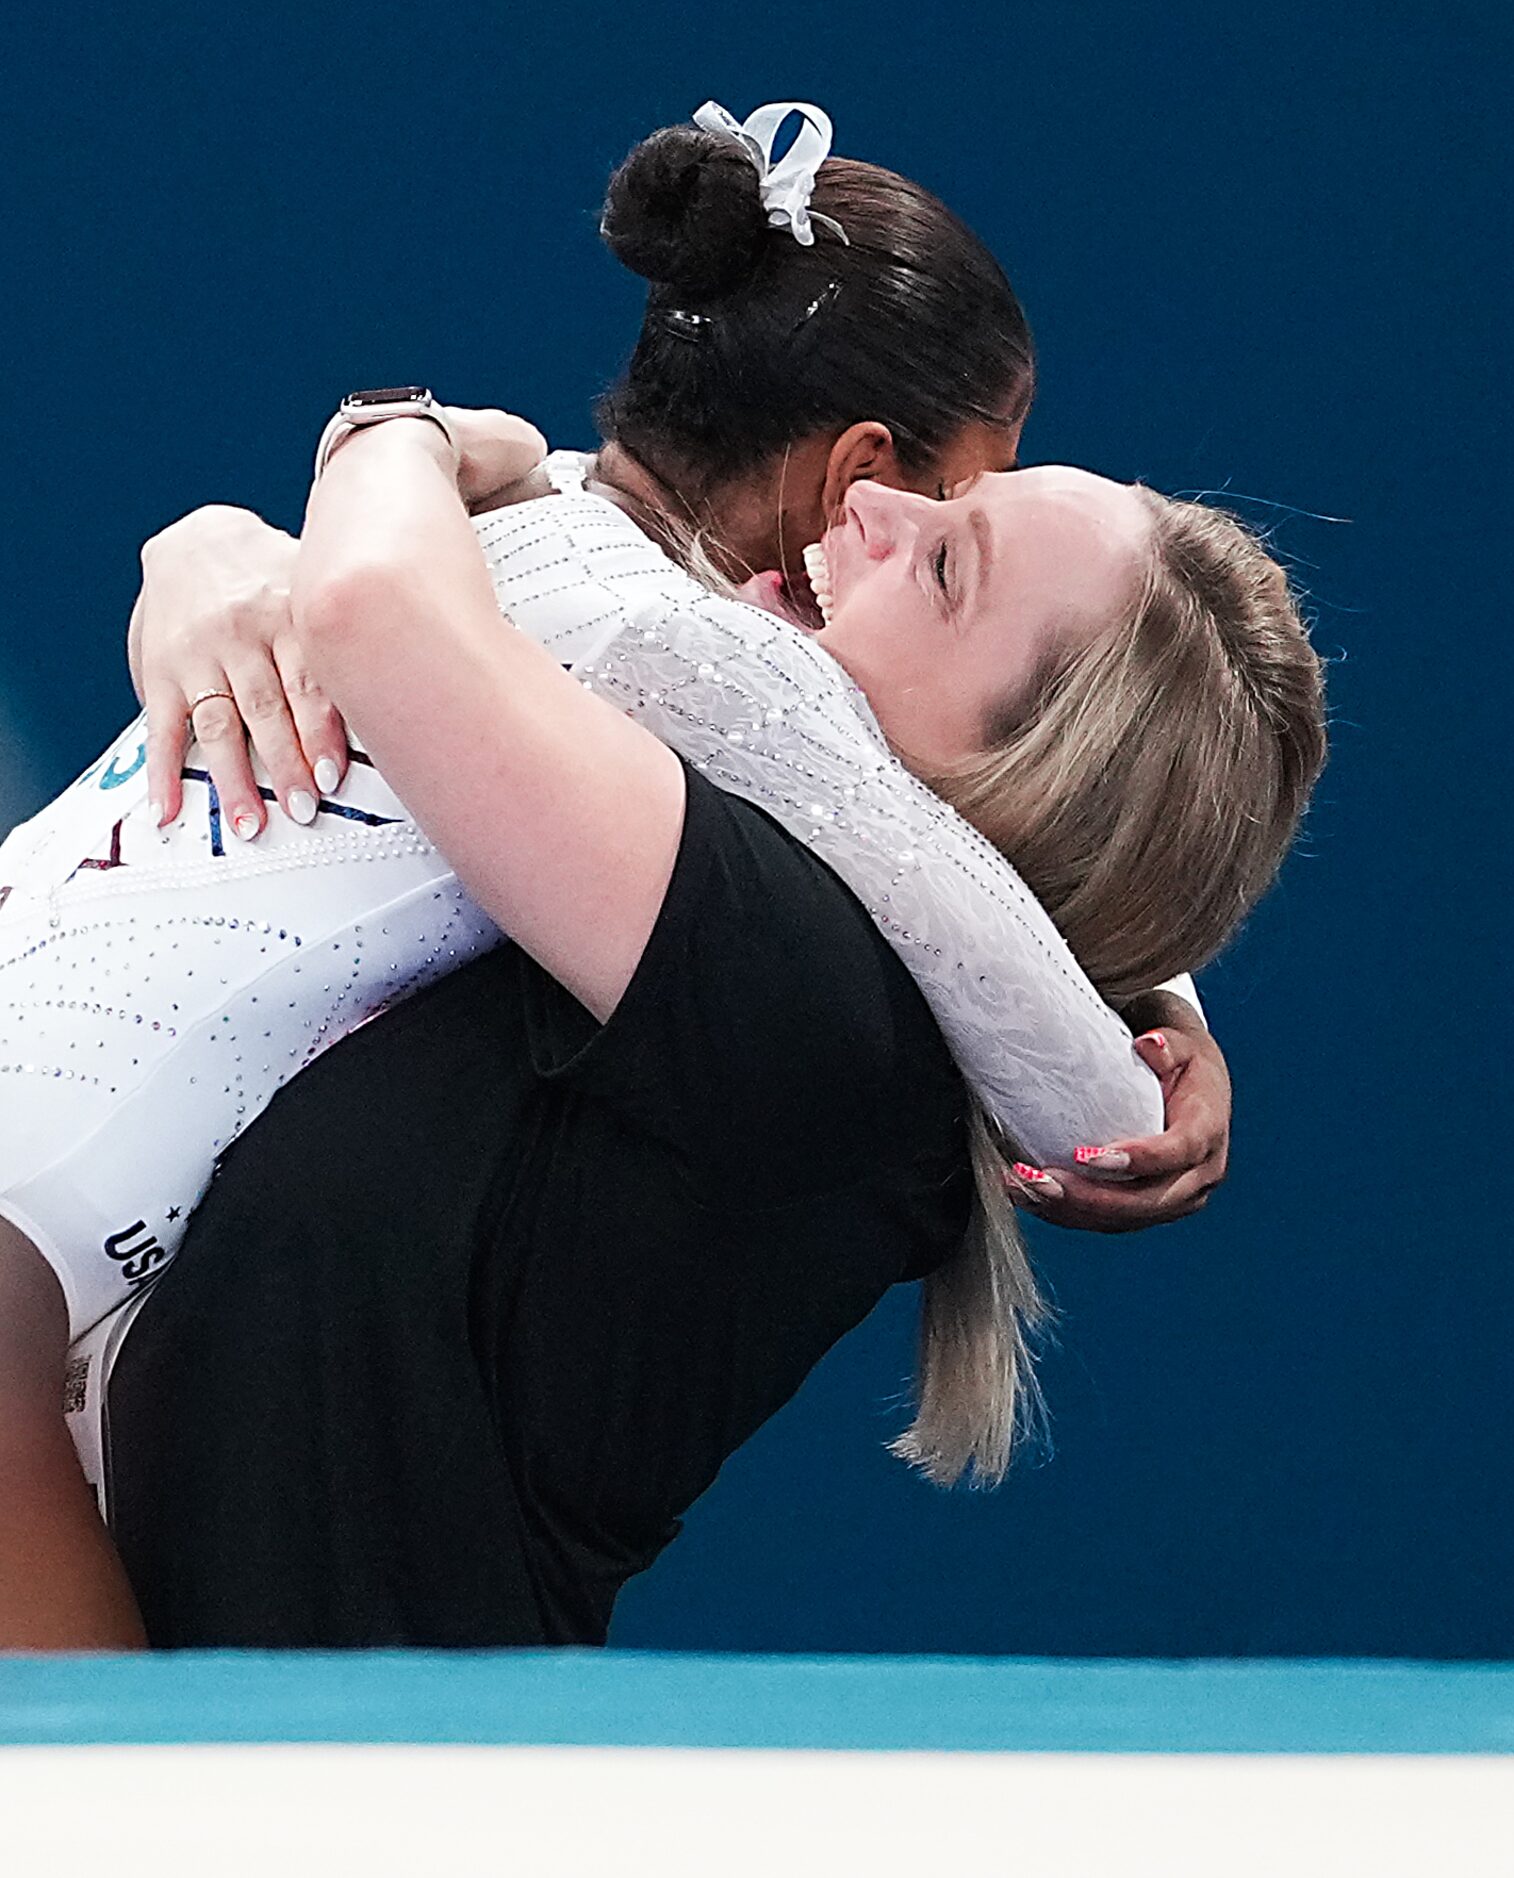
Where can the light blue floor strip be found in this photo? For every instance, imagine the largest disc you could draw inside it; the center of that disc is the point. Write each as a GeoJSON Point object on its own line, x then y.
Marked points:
{"type": "Point", "coordinates": [606, 1698]}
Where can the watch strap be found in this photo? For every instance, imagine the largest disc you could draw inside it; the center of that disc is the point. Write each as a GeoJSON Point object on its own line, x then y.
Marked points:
{"type": "Point", "coordinates": [359, 410]}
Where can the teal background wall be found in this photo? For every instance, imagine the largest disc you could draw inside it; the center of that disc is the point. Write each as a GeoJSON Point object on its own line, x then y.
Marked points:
{"type": "Point", "coordinates": [1265, 252]}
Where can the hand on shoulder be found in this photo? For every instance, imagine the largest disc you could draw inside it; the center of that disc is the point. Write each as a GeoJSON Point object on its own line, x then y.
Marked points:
{"type": "Point", "coordinates": [498, 452]}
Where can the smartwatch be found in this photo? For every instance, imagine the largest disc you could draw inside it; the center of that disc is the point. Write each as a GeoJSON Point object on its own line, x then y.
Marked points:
{"type": "Point", "coordinates": [362, 408]}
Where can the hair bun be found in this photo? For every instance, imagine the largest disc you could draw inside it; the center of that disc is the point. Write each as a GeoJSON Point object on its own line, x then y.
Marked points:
{"type": "Point", "coordinates": [683, 211]}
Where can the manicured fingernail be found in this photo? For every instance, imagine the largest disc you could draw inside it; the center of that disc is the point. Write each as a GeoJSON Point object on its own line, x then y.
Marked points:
{"type": "Point", "coordinates": [327, 775]}
{"type": "Point", "coordinates": [1108, 1160]}
{"type": "Point", "coordinates": [244, 827]}
{"type": "Point", "coordinates": [155, 810]}
{"type": "Point", "coordinates": [303, 807]}
{"type": "Point", "coordinates": [1045, 1187]}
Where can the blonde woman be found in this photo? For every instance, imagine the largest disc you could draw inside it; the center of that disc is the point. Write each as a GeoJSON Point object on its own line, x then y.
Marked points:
{"type": "Point", "coordinates": [567, 820]}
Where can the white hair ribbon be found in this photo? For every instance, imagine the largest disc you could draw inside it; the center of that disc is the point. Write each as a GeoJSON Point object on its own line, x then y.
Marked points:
{"type": "Point", "coordinates": [785, 186]}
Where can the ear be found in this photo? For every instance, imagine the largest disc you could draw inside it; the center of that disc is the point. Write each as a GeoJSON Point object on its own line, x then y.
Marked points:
{"type": "Point", "coordinates": [864, 453]}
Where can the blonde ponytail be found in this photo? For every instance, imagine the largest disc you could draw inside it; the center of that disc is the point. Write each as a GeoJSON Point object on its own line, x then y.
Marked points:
{"type": "Point", "coordinates": [979, 1396]}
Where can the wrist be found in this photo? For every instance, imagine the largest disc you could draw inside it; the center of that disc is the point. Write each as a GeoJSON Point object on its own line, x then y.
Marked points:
{"type": "Point", "coordinates": [406, 437]}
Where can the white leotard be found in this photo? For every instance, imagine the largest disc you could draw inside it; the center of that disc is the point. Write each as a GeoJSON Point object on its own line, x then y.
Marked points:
{"type": "Point", "coordinates": [156, 990]}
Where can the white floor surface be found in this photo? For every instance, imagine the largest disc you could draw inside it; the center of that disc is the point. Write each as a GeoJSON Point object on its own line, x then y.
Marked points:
{"type": "Point", "coordinates": [381, 1812]}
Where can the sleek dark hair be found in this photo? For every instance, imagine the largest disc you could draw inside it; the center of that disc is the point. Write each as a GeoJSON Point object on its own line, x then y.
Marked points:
{"type": "Point", "coordinates": [752, 342]}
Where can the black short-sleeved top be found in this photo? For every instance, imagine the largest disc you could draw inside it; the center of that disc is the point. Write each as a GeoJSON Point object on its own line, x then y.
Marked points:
{"type": "Point", "coordinates": [480, 1305]}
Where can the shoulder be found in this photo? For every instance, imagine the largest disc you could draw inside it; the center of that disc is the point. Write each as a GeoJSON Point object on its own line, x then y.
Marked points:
{"type": "Point", "coordinates": [787, 928]}
{"type": "Point", "coordinates": [769, 1021]}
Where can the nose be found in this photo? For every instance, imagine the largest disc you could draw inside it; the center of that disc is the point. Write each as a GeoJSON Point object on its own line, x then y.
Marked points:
{"type": "Point", "coordinates": [886, 518]}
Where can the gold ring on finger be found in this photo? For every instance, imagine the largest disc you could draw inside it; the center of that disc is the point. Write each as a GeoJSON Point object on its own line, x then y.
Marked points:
{"type": "Point", "coordinates": [204, 697]}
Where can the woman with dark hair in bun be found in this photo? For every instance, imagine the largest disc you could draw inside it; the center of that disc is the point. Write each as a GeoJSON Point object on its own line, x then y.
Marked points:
{"type": "Point", "coordinates": [771, 375]}
{"type": "Point", "coordinates": [597, 1202]}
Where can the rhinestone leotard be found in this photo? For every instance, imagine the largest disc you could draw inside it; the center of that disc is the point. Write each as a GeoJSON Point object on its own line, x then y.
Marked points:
{"type": "Point", "coordinates": [157, 990]}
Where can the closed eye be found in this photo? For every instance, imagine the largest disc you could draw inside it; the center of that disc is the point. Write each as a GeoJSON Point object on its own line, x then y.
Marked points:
{"type": "Point", "coordinates": [938, 567]}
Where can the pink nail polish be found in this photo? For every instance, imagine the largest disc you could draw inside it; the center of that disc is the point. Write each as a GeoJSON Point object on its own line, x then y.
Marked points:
{"type": "Point", "coordinates": [1105, 1160]}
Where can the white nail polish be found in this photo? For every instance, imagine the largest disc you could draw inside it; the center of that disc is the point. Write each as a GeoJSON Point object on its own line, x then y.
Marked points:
{"type": "Point", "coordinates": [245, 827]}
{"type": "Point", "coordinates": [303, 807]}
{"type": "Point", "coordinates": [327, 775]}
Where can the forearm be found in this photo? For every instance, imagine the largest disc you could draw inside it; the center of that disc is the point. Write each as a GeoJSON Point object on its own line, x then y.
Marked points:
{"type": "Point", "coordinates": [560, 814]}
{"type": "Point", "coordinates": [391, 597]}
{"type": "Point", "coordinates": [388, 498]}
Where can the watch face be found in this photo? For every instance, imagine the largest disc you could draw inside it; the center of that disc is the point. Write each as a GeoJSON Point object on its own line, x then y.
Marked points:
{"type": "Point", "coordinates": [389, 394]}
